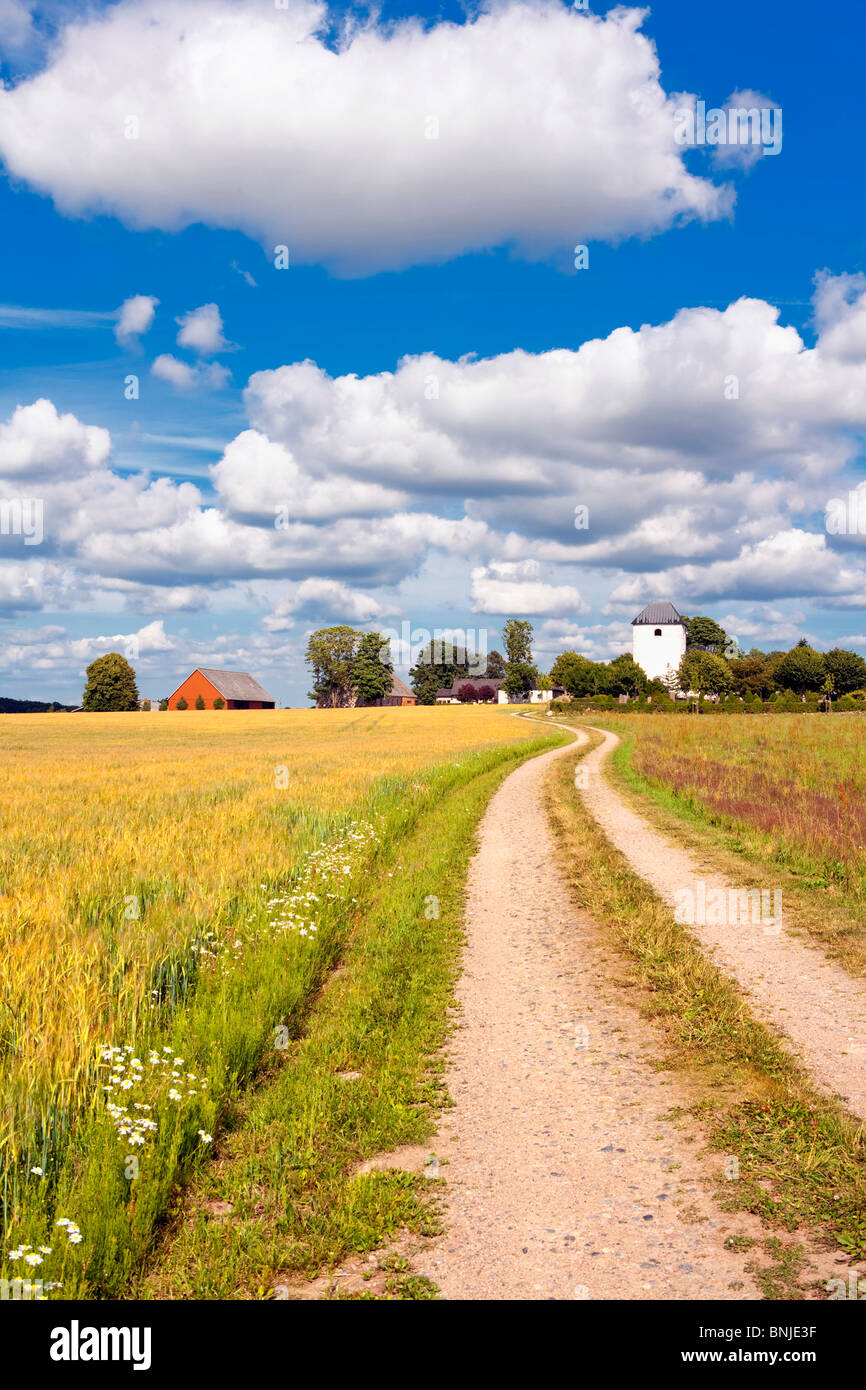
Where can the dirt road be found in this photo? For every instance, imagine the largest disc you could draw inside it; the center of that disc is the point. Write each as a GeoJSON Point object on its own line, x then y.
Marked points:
{"type": "Point", "coordinates": [564, 1178]}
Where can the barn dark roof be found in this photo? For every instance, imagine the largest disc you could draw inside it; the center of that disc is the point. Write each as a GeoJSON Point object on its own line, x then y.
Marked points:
{"type": "Point", "coordinates": [656, 613]}
{"type": "Point", "coordinates": [476, 682]}
{"type": "Point", "coordinates": [236, 685]}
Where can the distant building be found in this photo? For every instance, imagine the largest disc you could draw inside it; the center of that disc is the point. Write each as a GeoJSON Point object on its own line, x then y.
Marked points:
{"type": "Point", "coordinates": [658, 640]}
{"type": "Point", "coordinates": [448, 695]}
{"type": "Point", "coordinates": [399, 694]}
{"type": "Point", "coordinates": [480, 684]}
{"type": "Point", "coordinates": [236, 688]}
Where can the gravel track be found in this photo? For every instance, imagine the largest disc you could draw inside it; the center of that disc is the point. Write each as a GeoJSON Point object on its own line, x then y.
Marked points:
{"type": "Point", "coordinates": [564, 1179]}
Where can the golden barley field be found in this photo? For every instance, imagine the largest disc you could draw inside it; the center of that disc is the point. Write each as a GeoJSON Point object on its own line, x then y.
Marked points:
{"type": "Point", "coordinates": [126, 836]}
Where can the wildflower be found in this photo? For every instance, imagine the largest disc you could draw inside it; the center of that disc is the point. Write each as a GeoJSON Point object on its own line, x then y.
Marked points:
{"type": "Point", "coordinates": [38, 1171]}
{"type": "Point", "coordinates": [205, 1138]}
{"type": "Point", "coordinates": [33, 1259]}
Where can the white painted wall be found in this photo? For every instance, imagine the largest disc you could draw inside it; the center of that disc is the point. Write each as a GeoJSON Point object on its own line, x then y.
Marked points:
{"type": "Point", "coordinates": [656, 653]}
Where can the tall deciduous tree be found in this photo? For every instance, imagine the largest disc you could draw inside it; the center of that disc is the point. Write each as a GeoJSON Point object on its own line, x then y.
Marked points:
{"type": "Point", "coordinates": [520, 671]}
{"type": "Point", "coordinates": [495, 668]}
{"type": "Point", "coordinates": [847, 669]}
{"type": "Point", "coordinates": [371, 676]}
{"type": "Point", "coordinates": [331, 655]}
{"type": "Point", "coordinates": [801, 669]}
{"type": "Point", "coordinates": [622, 676]}
{"type": "Point", "coordinates": [110, 684]}
{"type": "Point", "coordinates": [705, 634]}
{"type": "Point", "coordinates": [575, 673]}
{"type": "Point", "coordinates": [704, 673]}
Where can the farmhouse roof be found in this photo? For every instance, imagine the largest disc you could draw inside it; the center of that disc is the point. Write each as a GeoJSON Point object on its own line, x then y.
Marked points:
{"type": "Point", "coordinates": [399, 689]}
{"type": "Point", "coordinates": [236, 685]}
{"type": "Point", "coordinates": [475, 682]}
{"type": "Point", "coordinates": [656, 613]}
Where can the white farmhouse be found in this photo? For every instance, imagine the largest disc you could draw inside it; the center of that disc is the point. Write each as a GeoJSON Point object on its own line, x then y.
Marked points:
{"type": "Point", "coordinates": [658, 640]}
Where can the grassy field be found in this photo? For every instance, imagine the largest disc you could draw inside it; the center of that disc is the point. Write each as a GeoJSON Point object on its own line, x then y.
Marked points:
{"type": "Point", "coordinates": [174, 891]}
{"type": "Point", "coordinates": [793, 786]}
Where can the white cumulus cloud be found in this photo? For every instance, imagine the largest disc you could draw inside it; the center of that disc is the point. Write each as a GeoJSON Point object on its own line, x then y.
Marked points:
{"type": "Point", "coordinates": [529, 126]}
{"type": "Point", "coordinates": [134, 317]}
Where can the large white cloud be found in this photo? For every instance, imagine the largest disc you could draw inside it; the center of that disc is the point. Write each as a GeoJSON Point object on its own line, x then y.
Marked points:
{"type": "Point", "coordinates": [38, 442]}
{"type": "Point", "coordinates": [517, 587]}
{"type": "Point", "coordinates": [684, 440]}
{"type": "Point", "coordinates": [533, 125]}
{"type": "Point", "coordinates": [470, 472]}
{"type": "Point", "coordinates": [792, 563]}
{"type": "Point", "coordinates": [325, 596]}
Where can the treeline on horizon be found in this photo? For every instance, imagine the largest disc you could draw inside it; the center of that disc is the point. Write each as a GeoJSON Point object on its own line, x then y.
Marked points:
{"type": "Point", "coordinates": [10, 706]}
{"type": "Point", "coordinates": [713, 666]}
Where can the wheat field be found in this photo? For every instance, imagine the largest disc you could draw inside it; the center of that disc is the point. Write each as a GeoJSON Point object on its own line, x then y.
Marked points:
{"type": "Point", "coordinates": [131, 842]}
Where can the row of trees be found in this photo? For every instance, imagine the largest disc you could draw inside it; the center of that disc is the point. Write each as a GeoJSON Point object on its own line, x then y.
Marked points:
{"type": "Point", "coordinates": [351, 667]}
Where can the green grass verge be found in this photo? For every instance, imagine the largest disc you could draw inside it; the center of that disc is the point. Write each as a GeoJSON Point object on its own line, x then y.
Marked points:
{"type": "Point", "coordinates": [285, 1186]}
{"type": "Point", "coordinates": [801, 1160]}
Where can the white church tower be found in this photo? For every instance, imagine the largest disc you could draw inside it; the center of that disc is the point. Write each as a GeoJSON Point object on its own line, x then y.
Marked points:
{"type": "Point", "coordinates": [658, 640]}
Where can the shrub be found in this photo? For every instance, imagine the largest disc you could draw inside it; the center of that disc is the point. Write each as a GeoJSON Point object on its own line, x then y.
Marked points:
{"type": "Point", "coordinates": [847, 702]}
{"type": "Point", "coordinates": [145, 704]}
{"type": "Point", "coordinates": [163, 704]}
{"type": "Point", "coordinates": [182, 703]}
{"type": "Point", "coordinates": [219, 702]}
{"type": "Point", "coordinates": [199, 702]}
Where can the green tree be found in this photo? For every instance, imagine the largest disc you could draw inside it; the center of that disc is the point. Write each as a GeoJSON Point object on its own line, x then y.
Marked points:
{"type": "Point", "coordinates": [704, 674]}
{"type": "Point", "coordinates": [520, 671]}
{"type": "Point", "coordinates": [438, 666]}
{"type": "Point", "coordinates": [575, 673]}
{"type": "Point", "coordinates": [371, 676]}
{"type": "Point", "coordinates": [752, 675]}
{"type": "Point", "coordinates": [801, 669]}
{"type": "Point", "coordinates": [199, 702]}
{"type": "Point", "coordinates": [219, 702]}
{"type": "Point", "coordinates": [331, 655]}
{"type": "Point", "coordinates": [183, 703]}
{"type": "Point", "coordinates": [163, 704]}
{"type": "Point", "coordinates": [705, 635]}
{"type": "Point", "coordinates": [622, 676]}
{"type": "Point", "coordinates": [110, 684]}
{"type": "Point", "coordinates": [495, 668]}
{"type": "Point", "coordinates": [145, 704]}
{"type": "Point", "coordinates": [847, 669]}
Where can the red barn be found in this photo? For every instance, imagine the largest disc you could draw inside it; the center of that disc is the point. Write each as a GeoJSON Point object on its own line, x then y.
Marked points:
{"type": "Point", "coordinates": [236, 688]}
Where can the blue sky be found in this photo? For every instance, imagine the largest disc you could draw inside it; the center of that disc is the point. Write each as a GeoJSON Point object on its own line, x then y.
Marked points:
{"type": "Point", "coordinates": [439, 494]}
